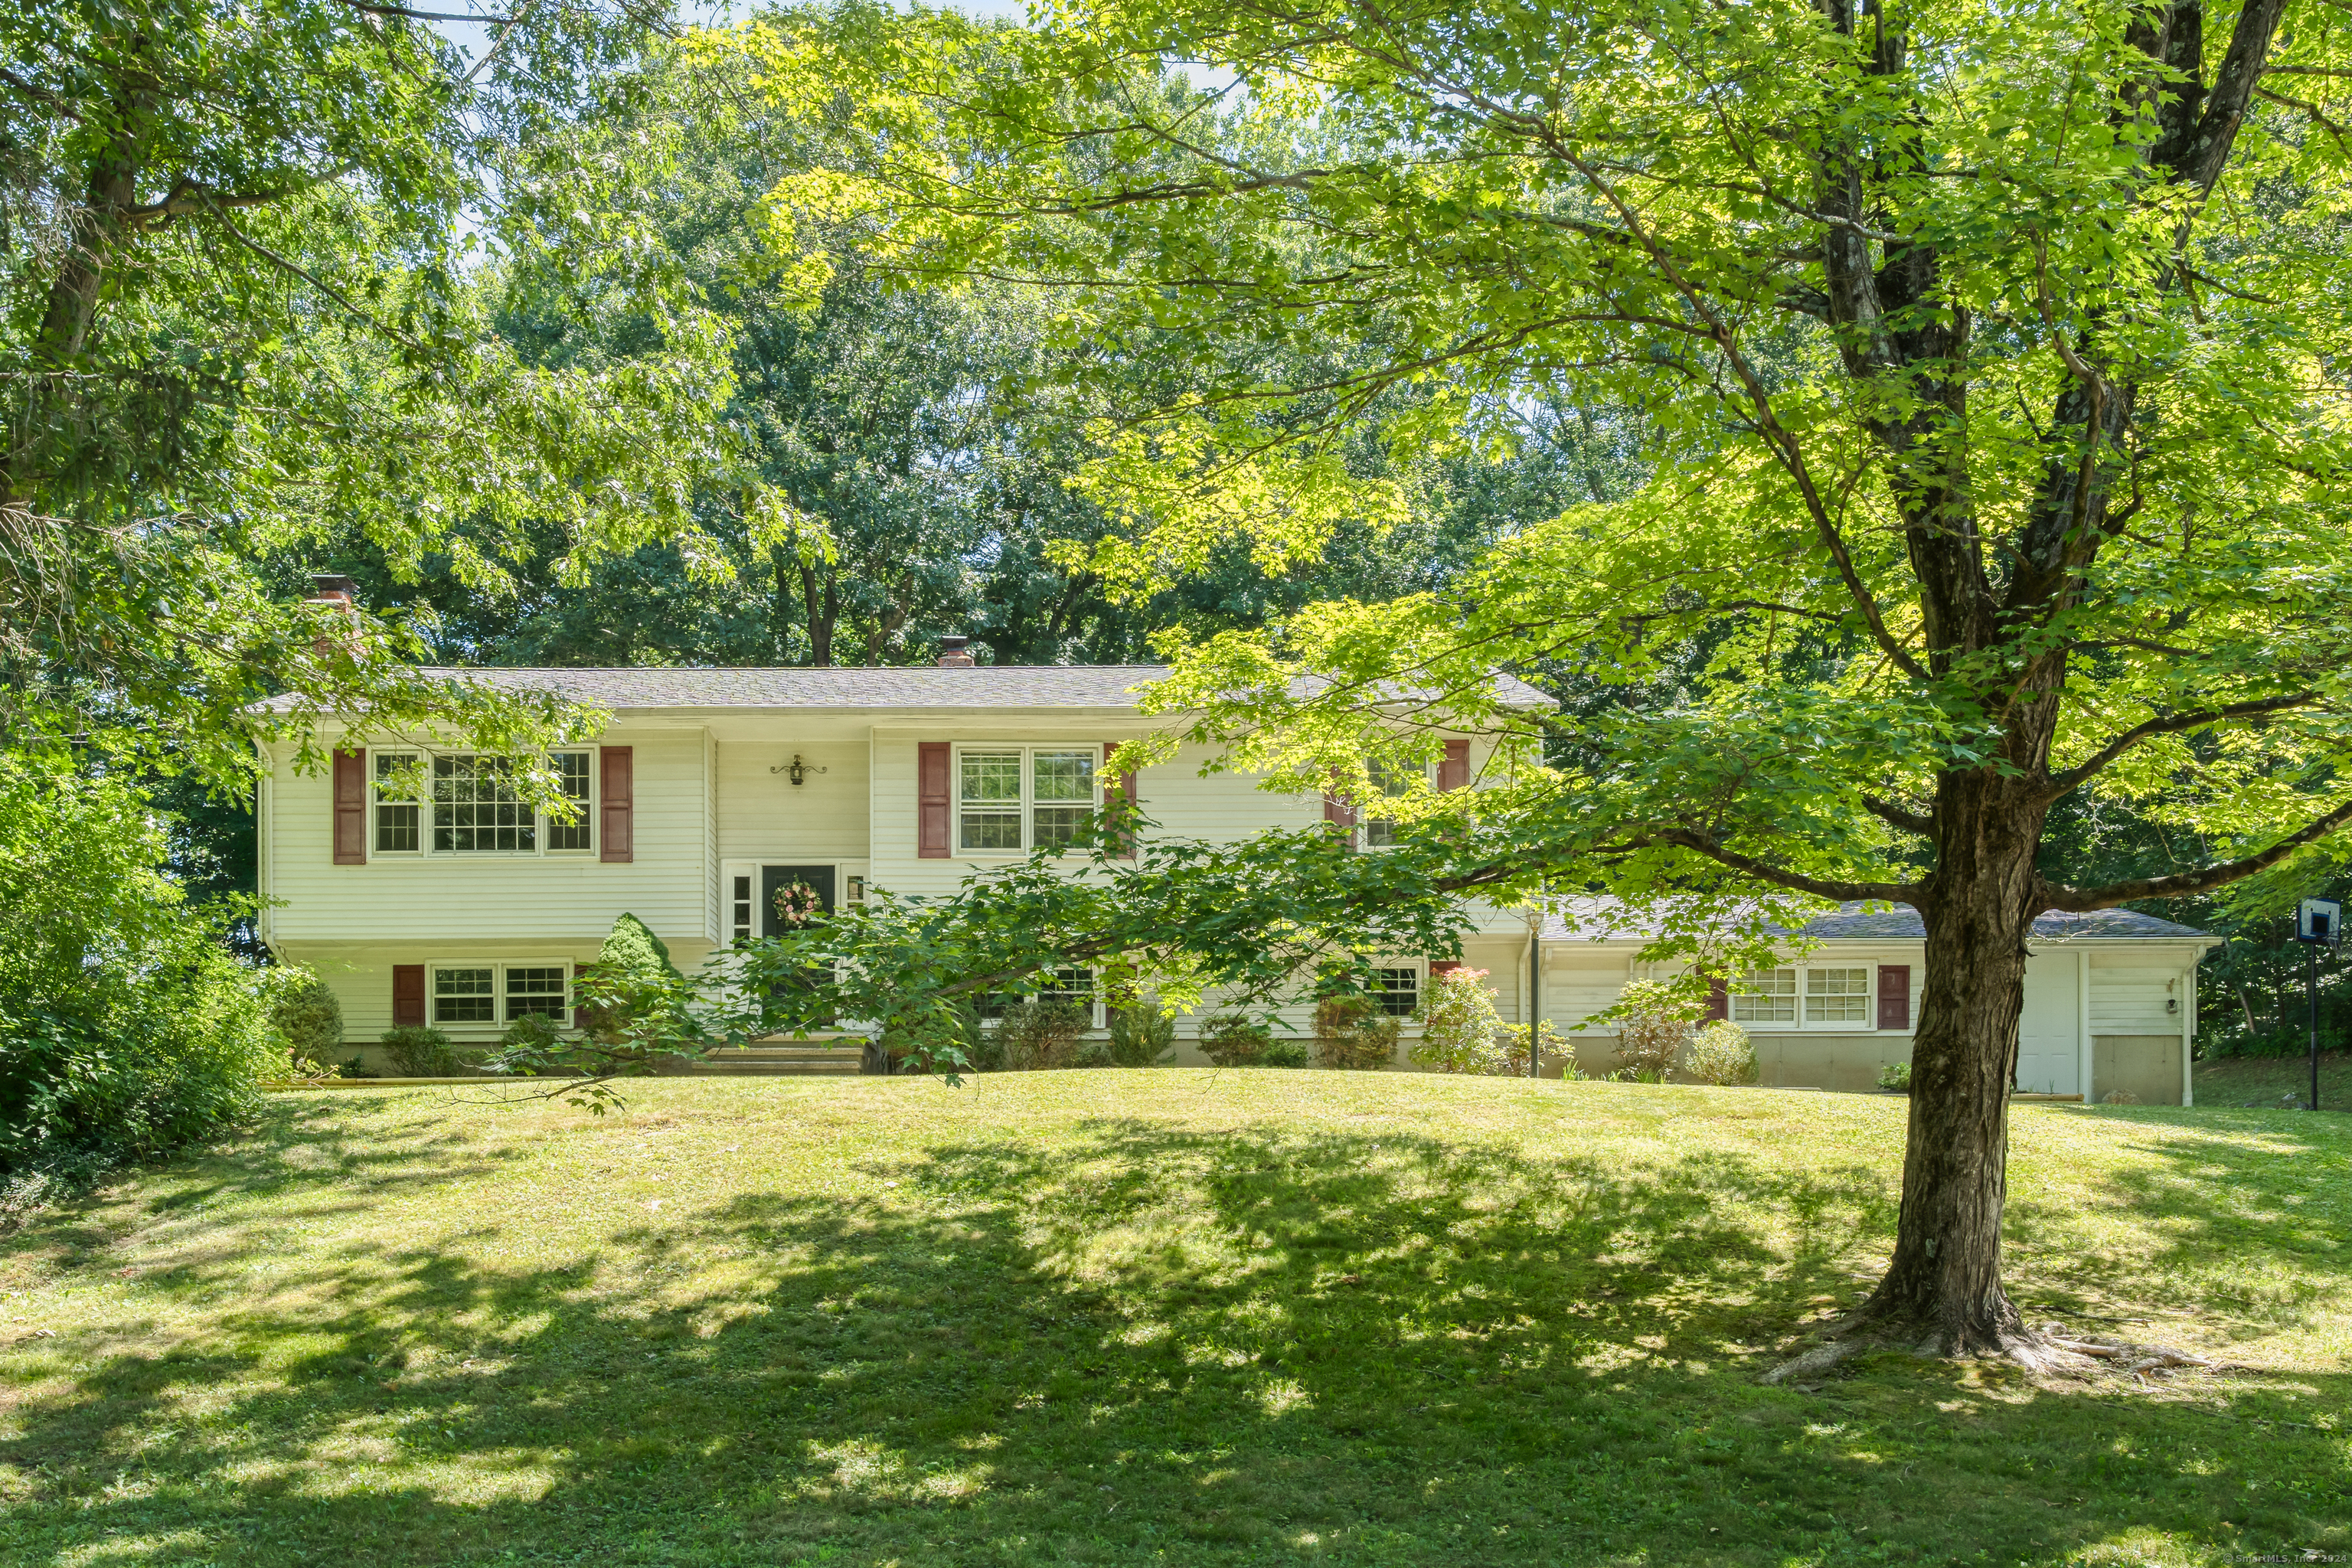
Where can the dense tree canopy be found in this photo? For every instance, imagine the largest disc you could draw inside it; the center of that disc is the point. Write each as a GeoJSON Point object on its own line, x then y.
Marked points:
{"type": "Point", "coordinates": [249, 252]}
{"type": "Point", "coordinates": [1991, 372]}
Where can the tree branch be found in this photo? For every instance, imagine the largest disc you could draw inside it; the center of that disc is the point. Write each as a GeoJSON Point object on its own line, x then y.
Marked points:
{"type": "Point", "coordinates": [2074, 778]}
{"type": "Point", "coordinates": [1886, 811]}
{"type": "Point", "coordinates": [2082, 900]}
{"type": "Point", "coordinates": [1699, 844]}
{"type": "Point", "coordinates": [328, 290]}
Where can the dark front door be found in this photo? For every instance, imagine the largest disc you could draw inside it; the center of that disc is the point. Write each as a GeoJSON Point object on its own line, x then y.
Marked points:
{"type": "Point", "coordinates": [775, 879]}
{"type": "Point", "coordinates": [807, 1012]}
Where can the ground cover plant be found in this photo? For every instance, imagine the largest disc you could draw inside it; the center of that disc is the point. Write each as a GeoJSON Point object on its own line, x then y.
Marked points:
{"type": "Point", "coordinates": [1113, 1316]}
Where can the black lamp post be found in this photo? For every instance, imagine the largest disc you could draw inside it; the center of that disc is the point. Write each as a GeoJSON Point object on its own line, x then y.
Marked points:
{"type": "Point", "coordinates": [2318, 923]}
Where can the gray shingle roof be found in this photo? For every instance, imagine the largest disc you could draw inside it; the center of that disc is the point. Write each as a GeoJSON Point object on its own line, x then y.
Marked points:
{"type": "Point", "coordinates": [914, 686]}
{"type": "Point", "coordinates": [1601, 918]}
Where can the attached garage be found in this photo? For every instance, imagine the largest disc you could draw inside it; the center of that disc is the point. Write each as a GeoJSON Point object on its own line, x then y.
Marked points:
{"type": "Point", "coordinates": [2110, 1002]}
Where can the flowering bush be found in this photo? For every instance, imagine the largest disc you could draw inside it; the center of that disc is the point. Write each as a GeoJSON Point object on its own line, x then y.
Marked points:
{"type": "Point", "coordinates": [1460, 1030]}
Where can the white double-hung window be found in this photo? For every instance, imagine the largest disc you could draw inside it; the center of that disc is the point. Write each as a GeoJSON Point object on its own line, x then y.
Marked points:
{"type": "Point", "coordinates": [1393, 782]}
{"type": "Point", "coordinates": [1838, 997]}
{"type": "Point", "coordinates": [1824, 997]}
{"type": "Point", "coordinates": [488, 992]}
{"type": "Point", "coordinates": [1012, 799]}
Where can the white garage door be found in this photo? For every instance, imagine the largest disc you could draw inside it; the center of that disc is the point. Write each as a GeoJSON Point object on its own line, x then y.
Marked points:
{"type": "Point", "coordinates": [2047, 1054]}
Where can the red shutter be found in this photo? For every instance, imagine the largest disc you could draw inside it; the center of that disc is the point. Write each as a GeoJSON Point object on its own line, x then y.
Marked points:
{"type": "Point", "coordinates": [1339, 813]}
{"type": "Point", "coordinates": [932, 813]}
{"type": "Point", "coordinates": [1893, 995]}
{"type": "Point", "coordinates": [408, 996]}
{"type": "Point", "coordinates": [351, 807]}
{"type": "Point", "coordinates": [1126, 792]}
{"type": "Point", "coordinates": [580, 972]}
{"type": "Point", "coordinates": [1719, 999]}
{"type": "Point", "coordinates": [617, 789]}
{"type": "Point", "coordinates": [1454, 773]}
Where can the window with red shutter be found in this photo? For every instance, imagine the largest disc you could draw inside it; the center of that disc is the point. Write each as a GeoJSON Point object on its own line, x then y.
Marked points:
{"type": "Point", "coordinates": [616, 810]}
{"type": "Point", "coordinates": [351, 807]}
{"type": "Point", "coordinates": [1893, 995]}
{"type": "Point", "coordinates": [933, 814]}
{"type": "Point", "coordinates": [1339, 814]}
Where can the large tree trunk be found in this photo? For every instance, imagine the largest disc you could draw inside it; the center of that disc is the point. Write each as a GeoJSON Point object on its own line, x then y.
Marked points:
{"type": "Point", "coordinates": [1943, 1291]}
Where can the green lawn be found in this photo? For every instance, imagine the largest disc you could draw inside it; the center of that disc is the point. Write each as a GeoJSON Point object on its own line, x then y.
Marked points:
{"type": "Point", "coordinates": [2261, 1080]}
{"type": "Point", "coordinates": [1168, 1316]}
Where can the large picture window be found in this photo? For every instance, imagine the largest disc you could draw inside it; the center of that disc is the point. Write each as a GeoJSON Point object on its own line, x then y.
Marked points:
{"type": "Point", "coordinates": [476, 809]}
{"type": "Point", "coordinates": [1011, 799]}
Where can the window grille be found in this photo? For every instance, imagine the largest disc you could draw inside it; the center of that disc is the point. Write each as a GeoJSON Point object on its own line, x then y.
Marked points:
{"type": "Point", "coordinates": [1398, 991]}
{"type": "Point", "coordinates": [465, 996]}
{"type": "Point", "coordinates": [1837, 997]}
{"type": "Point", "coordinates": [572, 776]}
{"type": "Point", "coordinates": [540, 990]}
{"type": "Point", "coordinates": [397, 828]}
{"type": "Point", "coordinates": [1766, 996]}
{"type": "Point", "coordinates": [476, 808]}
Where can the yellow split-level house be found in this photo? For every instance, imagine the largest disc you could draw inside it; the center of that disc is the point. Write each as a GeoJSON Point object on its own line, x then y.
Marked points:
{"type": "Point", "coordinates": [410, 878]}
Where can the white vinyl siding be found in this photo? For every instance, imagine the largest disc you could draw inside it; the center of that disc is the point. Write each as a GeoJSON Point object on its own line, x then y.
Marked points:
{"type": "Point", "coordinates": [480, 903]}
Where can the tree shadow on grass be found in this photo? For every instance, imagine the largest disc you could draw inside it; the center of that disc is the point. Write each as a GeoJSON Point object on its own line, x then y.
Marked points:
{"type": "Point", "coordinates": [1143, 1343]}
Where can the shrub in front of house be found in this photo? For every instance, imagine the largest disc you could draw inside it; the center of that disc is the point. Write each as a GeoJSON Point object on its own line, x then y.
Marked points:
{"type": "Point", "coordinates": [1140, 1037]}
{"type": "Point", "coordinates": [1722, 1054]}
{"type": "Point", "coordinates": [1461, 1032]}
{"type": "Point", "coordinates": [420, 1052]}
{"type": "Point", "coordinates": [1511, 1044]}
{"type": "Point", "coordinates": [1235, 1039]}
{"type": "Point", "coordinates": [1352, 1034]}
{"type": "Point", "coordinates": [308, 1017]}
{"type": "Point", "coordinates": [1654, 1025]}
{"type": "Point", "coordinates": [1895, 1077]}
{"type": "Point", "coordinates": [1039, 1034]}
{"type": "Point", "coordinates": [1282, 1051]}
{"type": "Point", "coordinates": [127, 1026]}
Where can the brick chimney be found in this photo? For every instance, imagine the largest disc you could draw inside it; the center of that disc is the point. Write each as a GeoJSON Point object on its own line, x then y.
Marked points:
{"type": "Point", "coordinates": [954, 653]}
{"type": "Point", "coordinates": [326, 588]}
